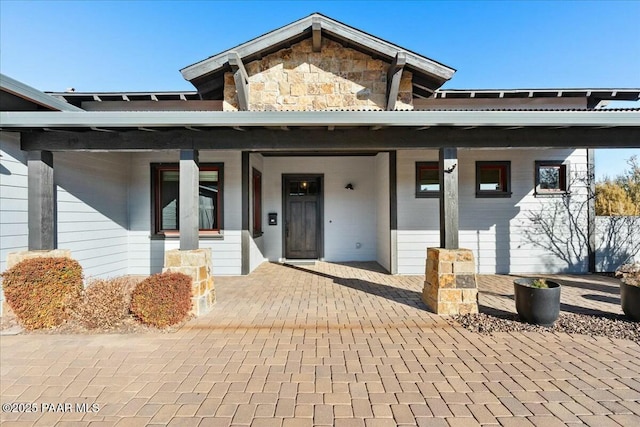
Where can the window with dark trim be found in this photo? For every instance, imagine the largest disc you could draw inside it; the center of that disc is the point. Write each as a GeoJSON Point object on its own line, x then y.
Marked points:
{"type": "Point", "coordinates": [427, 179]}
{"type": "Point", "coordinates": [257, 203]}
{"type": "Point", "coordinates": [493, 179]}
{"type": "Point", "coordinates": [166, 198]}
{"type": "Point", "coordinates": [551, 177]}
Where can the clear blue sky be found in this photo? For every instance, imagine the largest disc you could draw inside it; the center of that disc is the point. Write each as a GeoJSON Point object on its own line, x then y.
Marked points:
{"type": "Point", "coordinates": [141, 46]}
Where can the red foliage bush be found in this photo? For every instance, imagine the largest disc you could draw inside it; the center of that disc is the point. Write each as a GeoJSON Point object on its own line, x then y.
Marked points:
{"type": "Point", "coordinates": [105, 303]}
{"type": "Point", "coordinates": [43, 291]}
{"type": "Point", "coordinates": [162, 299]}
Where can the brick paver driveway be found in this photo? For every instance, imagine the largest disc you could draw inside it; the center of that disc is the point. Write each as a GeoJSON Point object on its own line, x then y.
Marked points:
{"type": "Point", "coordinates": [343, 345]}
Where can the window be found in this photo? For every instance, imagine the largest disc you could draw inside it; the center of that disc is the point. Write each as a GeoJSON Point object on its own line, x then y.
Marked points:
{"type": "Point", "coordinates": [551, 177]}
{"type": "Point", "coordinates": [257, 203]}
{"type": "Point", "coordinates": [166, 198]}
{"type": "Point", "coordinates": [427, 179]}
{"type": "Point", "coordinates": [493, 179]}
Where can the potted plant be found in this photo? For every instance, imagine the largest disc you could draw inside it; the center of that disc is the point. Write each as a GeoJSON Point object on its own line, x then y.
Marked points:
{"type": "Point", "coordinates": [537, 300]}
{"type": "Point", "coordinates": [629, 275]}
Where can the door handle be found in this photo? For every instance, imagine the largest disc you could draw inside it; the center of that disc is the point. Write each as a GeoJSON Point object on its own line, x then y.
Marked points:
{"type": "Point", "coordinates": [286, 229]}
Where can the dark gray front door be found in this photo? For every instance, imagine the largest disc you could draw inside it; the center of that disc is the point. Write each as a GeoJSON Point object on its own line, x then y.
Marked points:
{"type": "Point", "coordinates": [302, 216]}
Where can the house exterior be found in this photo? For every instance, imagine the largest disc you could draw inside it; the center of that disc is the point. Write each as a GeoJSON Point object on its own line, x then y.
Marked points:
{"type": "Point", "coordinates": [314, 141]}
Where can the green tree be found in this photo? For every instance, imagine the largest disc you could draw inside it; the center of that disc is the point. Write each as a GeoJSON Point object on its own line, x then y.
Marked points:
{"type": "Point", "coordinates": [630, 180]}
{"type": "Point", "coordinates": [613, 200]}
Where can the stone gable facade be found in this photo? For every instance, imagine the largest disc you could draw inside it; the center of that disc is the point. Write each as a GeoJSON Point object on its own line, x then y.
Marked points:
{"type": "Point", "coordinates": [298, 79]}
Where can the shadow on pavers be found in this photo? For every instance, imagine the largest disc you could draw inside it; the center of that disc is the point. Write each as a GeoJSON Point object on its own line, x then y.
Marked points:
{"type": "Point", "coordinates": [403, 296]}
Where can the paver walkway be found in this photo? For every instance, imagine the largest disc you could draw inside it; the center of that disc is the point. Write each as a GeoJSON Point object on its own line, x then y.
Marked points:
{"type": "Point", "coordinates": [343, 345]}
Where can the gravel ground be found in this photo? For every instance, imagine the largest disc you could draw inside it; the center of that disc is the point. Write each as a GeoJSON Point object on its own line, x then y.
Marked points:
{"type": "Point", "coordinates": [10, 326]}
{"type": "Point", "coordinates": [613, 326]}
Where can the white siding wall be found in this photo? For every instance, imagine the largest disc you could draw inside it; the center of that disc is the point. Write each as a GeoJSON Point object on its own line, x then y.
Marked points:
{"type": "Point", "coordinates": [92, 210]}
{"type": "Point", "coordinates": [92, 219]}
{"type": "Point", "coordinates": [418, 223]}
{"type": "Point", "coordinates": [256, 251]}
{"type": "Point", "coordinates": [147, 255]}
{"type": "Point", "coordinates": [617, 241]}
{"type": "Point", "coordinates": [349, 216]}
{"type": "Point", "coordinates": [491, 227]}
{"type": "Point", "coordinates": [383, 233]}
{"type": "Point", "coordinates": [14, 232]}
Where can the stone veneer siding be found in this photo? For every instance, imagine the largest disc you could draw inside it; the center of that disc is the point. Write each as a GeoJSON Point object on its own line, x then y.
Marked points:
{"type": "Point", "coordinates": [299, 79]}
{"type": "Point", "coordinates": [197, 265]}
{"type": "Point", "coordinates": [450, 286]}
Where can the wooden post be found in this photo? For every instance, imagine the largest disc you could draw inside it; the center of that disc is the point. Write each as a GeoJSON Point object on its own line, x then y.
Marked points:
{"type": "Point", "coordinates": [245, 238]}
{"type": "Point", "coordinates": [189, 204]}
{"type": "Point", "coordinates": [449, 198]}
{"type": "Point", "coordinates": [241, 79]}
{"type": "Point", "coordinates": [316, 38]}
{"type": "Point", "coordinates": [394, 75]}
{"type": "Point", "coordinates": [41, 204]}
{"type": "Point", "coordinates": [393, 211]}
{"type": "Point", "coordinates": [591, 210]}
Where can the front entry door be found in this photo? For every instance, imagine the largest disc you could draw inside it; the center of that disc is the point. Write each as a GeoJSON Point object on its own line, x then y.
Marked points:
{"type": "Point", "coordinates": [302, 216]}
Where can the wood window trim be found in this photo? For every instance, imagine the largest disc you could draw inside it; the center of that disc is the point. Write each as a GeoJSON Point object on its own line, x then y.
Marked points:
{"type": "Point", "coordinates": [156, 169]}
{"type": "Point", "coordinates": [564, 178]}
{"type": "Point", "coordinates": [256, 177]}
{"type": "Point", "coordinates": [427, 194]}
{"type": "Point", "coordinates": [505, 166]}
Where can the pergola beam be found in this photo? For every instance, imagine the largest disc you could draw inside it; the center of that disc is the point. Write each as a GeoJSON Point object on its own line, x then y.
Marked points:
{"type": "Point", "coordinates": [338, 139]}
{"type": "Point", "coordinates": [394, 75]}
{"type": "Point", "coordinates": [241, 78]}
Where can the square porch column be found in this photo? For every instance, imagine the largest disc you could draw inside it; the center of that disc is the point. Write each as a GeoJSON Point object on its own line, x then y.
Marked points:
{"type": "Point", "coordinates": [245, 237]}
{"type": "Point", "coordinates": [41, 201]}
{"type": "Point", "coordinates": [449, 198]}
{"type": "Point", "coordinates": [450, 285]}
{"type": "Point", "coordinates": [189, 211]}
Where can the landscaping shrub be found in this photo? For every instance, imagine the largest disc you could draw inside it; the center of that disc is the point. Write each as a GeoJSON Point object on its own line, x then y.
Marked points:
{"type": "Point", "coordinates": [43, 291]}
{"type": "Point", "coordinates": [162, 299]}
{"type": "Point", "coordinates": [105, 303]}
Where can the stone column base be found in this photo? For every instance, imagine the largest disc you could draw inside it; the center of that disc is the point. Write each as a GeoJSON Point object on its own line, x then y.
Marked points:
{"type": "Point", "coordinates": [14, 258]}
{"type": "Point", "coordinates": [197, 265]}
{"type": "Point", "coordinates": [450, 286]}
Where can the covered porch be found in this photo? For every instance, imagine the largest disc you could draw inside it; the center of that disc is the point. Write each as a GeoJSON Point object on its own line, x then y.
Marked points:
{"type": "Point", "coordinates": [185, 136]}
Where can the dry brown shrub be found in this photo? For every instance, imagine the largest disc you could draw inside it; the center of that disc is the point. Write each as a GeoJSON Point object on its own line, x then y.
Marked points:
{"type": "Point", "coordinates": [105, 303]}
{"type": "Point", "coordinates": [162, 300]}
{"type": "Point", "coordinates": [42, 291]}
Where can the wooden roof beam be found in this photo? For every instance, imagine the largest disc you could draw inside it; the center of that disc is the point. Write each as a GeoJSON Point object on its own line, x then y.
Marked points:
{"type": "Point", "coordinates": [394, 75]}
{"type": "Point", "coordinates": [316, 29]}
{"type": "Point", "coordinates": [241, 79]}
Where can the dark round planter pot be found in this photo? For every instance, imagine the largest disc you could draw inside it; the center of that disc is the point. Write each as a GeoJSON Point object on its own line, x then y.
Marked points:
{"type": "Point", "coordinates": [536, 305]}
{"type": "Point", "coordinates": [630, 301]}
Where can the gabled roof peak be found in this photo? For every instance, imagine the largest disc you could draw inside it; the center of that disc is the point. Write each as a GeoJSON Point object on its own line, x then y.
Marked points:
{"type": "Point", "coordinates": [428, 74]}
